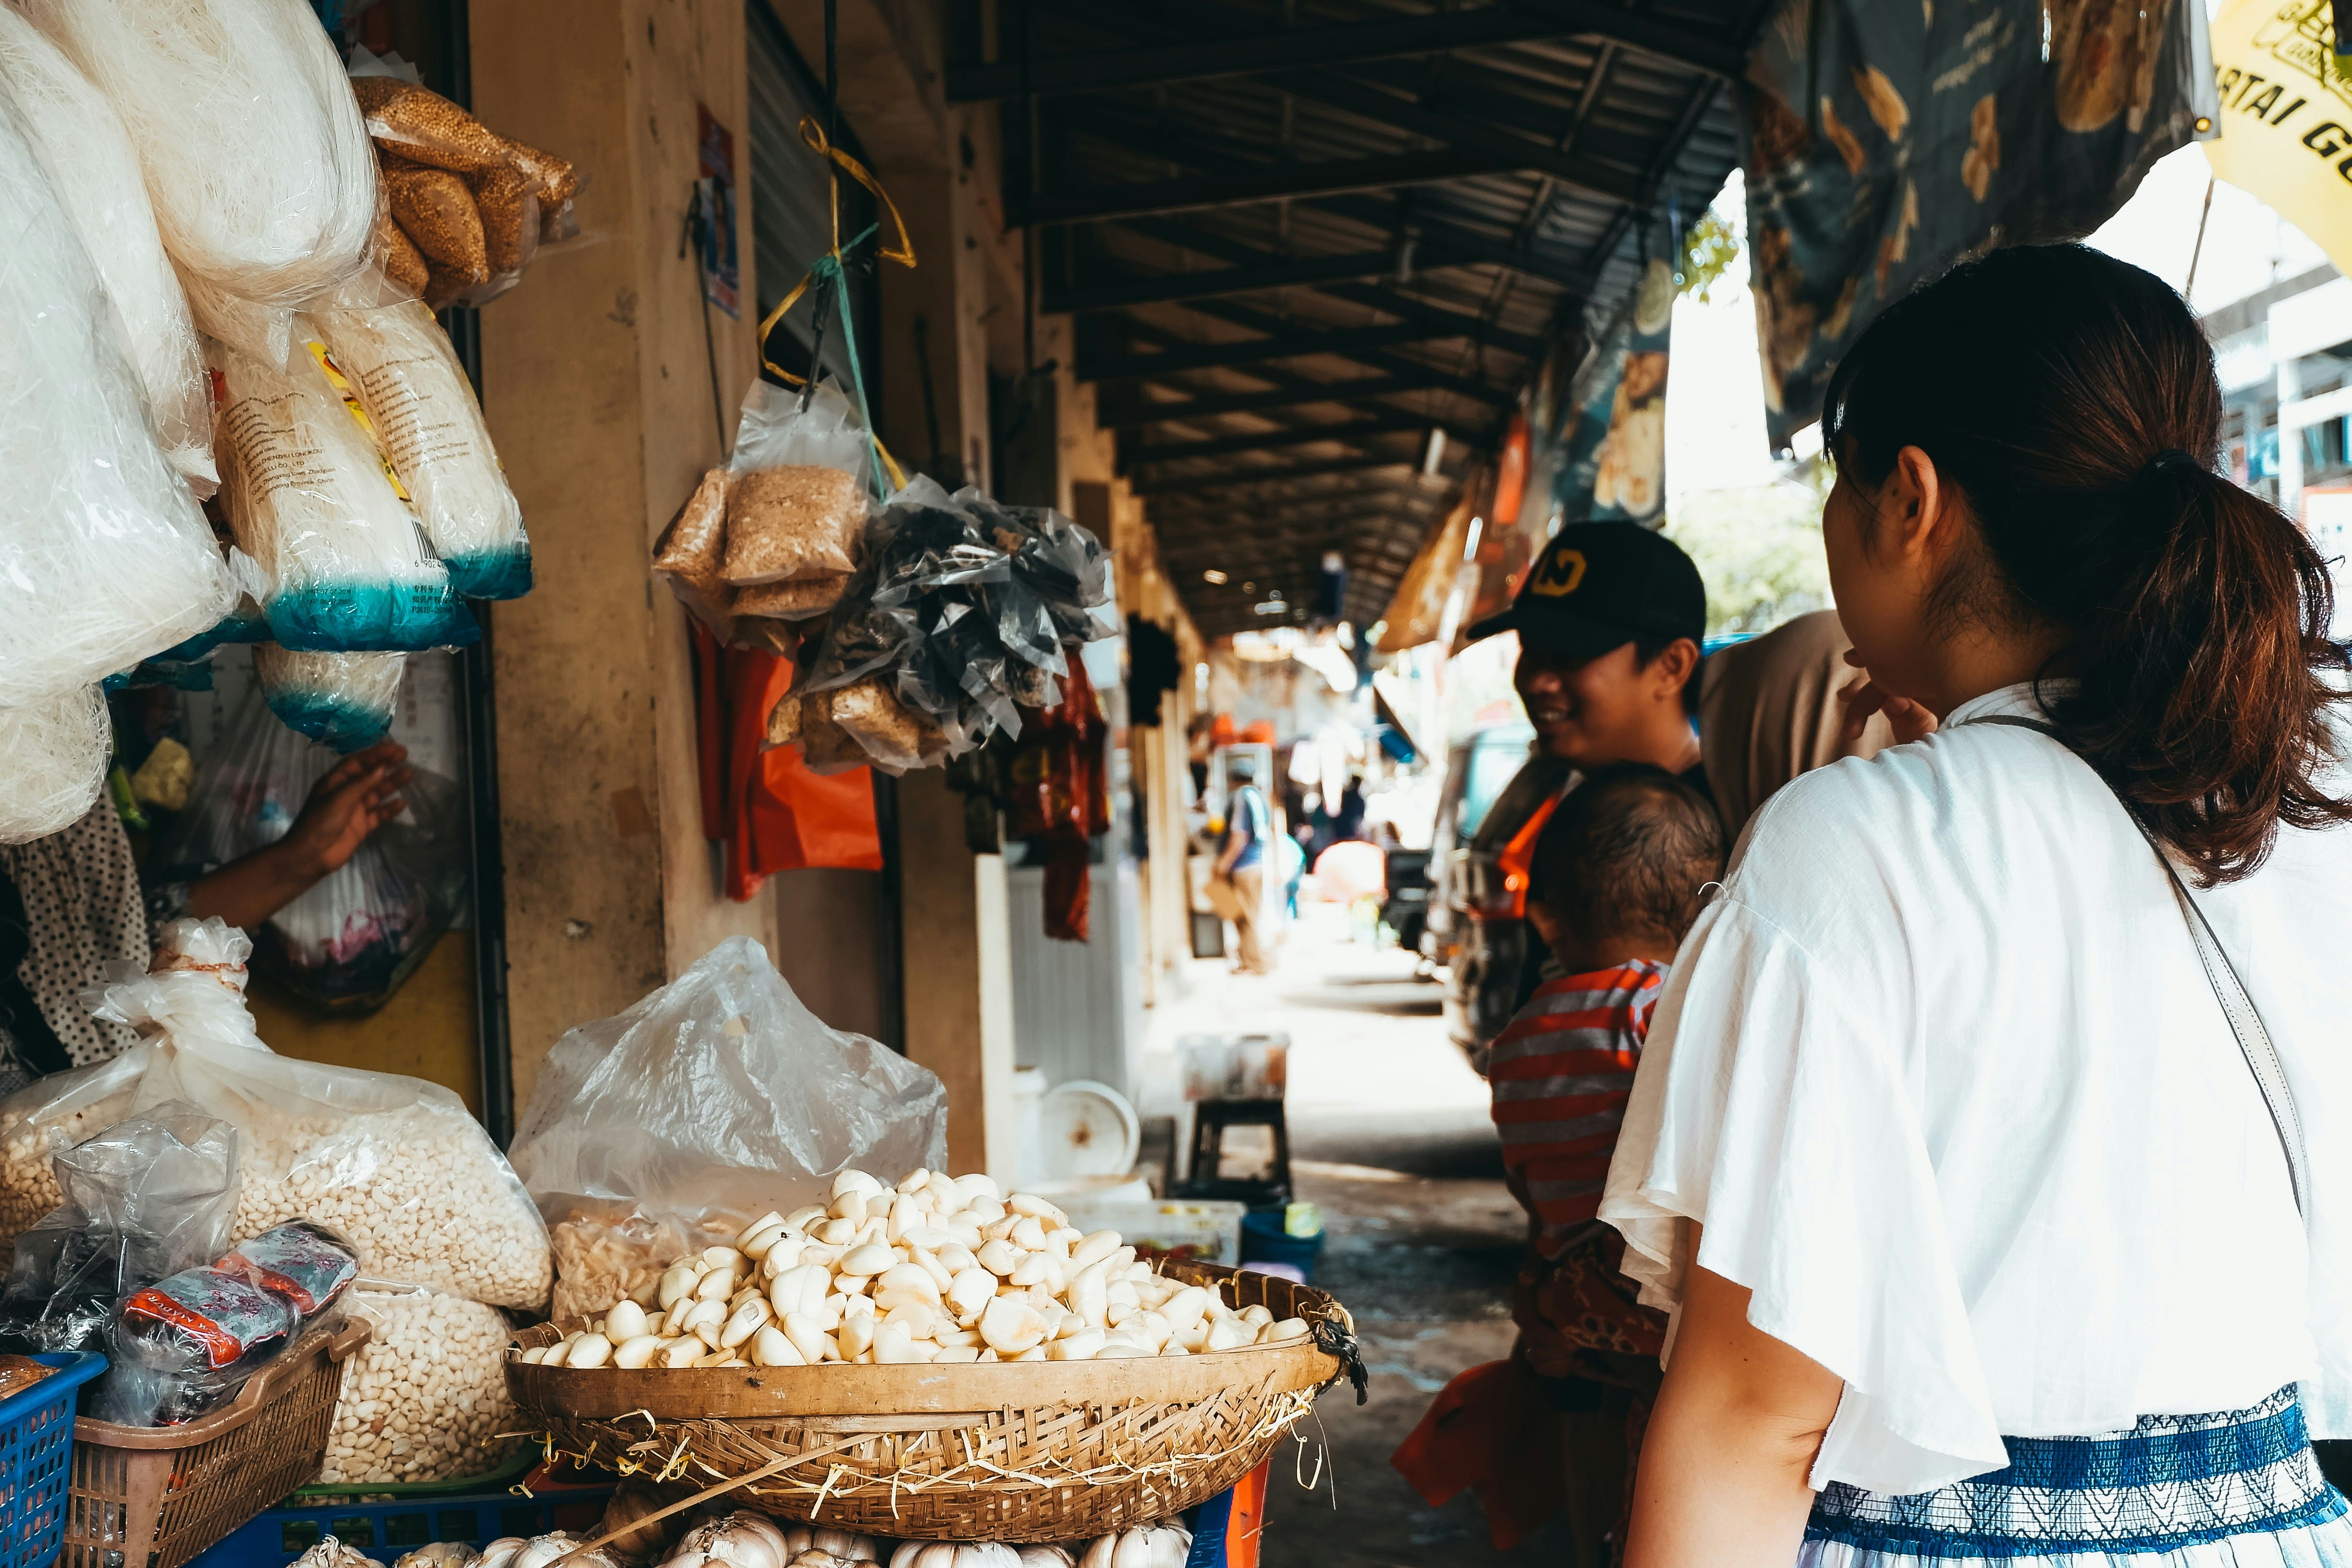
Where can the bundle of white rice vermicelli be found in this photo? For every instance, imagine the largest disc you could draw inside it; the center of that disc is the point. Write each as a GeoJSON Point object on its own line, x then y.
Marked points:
{"type": "Point", "coordinates": [311, 500]}
{"type": "Point", "coordinates": [257, 159]}
{"type": "Point", "coordinates": [95, 173]}
{"type": "Point", "coordinates": [53, 758]}
{"type": "Point", "coordinates": [104, 555]}
{"type": "Point", "coordinates": [341, 699]}
{"type": "Point", "coordinates": [400, 363]}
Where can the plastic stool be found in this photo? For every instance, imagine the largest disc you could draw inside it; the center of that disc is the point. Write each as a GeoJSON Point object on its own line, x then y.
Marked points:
{"type": "Point", "coordinates": [1211, 1118]}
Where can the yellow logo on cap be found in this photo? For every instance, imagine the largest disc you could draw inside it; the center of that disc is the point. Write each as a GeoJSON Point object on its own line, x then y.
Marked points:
{"type": "Point", "coordinates": [1558, 573]}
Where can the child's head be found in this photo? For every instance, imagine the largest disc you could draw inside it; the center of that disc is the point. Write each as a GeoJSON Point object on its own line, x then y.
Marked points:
{"type": "Point", "coordinates": [1620, 867]}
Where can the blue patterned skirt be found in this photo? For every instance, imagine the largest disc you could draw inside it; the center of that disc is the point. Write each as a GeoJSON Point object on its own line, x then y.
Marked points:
{"type": "Point", "coordinates": [2241, 1486]}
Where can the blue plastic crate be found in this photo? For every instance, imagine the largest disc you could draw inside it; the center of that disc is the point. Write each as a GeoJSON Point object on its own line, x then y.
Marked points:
{"type": "Point", "coordinates": [37, 1460]}
{"type": "Point", "coordinates": [385, 1530]}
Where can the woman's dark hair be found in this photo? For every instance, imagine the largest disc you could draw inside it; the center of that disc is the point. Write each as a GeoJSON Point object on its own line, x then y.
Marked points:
{"type": "Point", "coordinates": [2071, 399]}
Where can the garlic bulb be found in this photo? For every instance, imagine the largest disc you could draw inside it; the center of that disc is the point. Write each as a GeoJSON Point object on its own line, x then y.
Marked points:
{"type": "Point", "coordinates": [1146, 1546]}
{"type": "Point", "coordinates": [934, 1270]}
{"type": "Point", "coordinates": [1042, 1556]}
{"type": "Point", "coordinates": [500, 1553]}
{"type": "Point", "coordinates": [955, 1554]}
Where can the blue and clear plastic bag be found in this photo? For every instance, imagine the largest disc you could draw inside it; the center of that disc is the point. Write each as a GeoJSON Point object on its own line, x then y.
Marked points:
{"type": "Point", "coordinates": [341, 700]}
{"type": "Point", "coordinates": [311, 499]}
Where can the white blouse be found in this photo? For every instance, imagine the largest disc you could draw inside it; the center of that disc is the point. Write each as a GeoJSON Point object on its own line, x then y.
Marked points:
{"type": "Point", "coordinates": [1939, 1074]}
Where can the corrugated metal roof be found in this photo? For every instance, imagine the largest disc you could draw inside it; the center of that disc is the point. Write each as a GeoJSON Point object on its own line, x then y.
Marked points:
{"type": "Point", "coordinates": [1441, 191]}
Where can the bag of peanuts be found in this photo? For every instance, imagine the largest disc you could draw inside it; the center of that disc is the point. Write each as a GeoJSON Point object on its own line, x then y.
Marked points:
{"type": "Point", "coordinates": [708, 1103]}
{"type": "Point", "coordinates": [797, 499]}
{"type": "Point", "coordinates": [396, 1164]}
{"type": "Point", "coordinates": [426, 1398]}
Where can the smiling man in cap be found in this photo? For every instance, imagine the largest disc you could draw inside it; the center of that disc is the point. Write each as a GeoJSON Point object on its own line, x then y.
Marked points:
{"type": "Point", "coordinates": [1608, 621]}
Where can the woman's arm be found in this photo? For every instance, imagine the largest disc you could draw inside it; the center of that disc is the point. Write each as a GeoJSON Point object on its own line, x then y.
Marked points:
{"type": "Point", "coordinates": [359, 794]}
{"type": "Point", "coordinates": [1722, 1482]}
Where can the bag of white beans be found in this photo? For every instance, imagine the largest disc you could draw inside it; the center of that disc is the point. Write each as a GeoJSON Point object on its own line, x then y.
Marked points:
{"type": "Point", "coordinates": [426, 1399]}
{"type": "Point", "coordinates": [396, 1164]}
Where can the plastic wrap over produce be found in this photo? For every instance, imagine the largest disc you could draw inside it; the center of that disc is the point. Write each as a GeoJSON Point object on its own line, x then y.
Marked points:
{"type": "Point", "coordinates": [95, 175]}
{"type": "Point", "coordinates": [426, 1398]}
{"type": "Point", "coordinates": [148, 1197]}
{"type": "Point", "coordinates": [341, 700]}
{"type": "Point", "coordinates": [716, 1097]}
{"type": "Point", "coordinates": [53, 759]}
{"type": "Point", "coordinates": [313, 501]}
{"type": "Point", "coordinates": [105, 558]}
{"type": "Point", "coordinates": [260, 169]}
{"type": "Point", "coordinates": [396, 1164]}
{"type": "Point", "coordinates": [416, 395]}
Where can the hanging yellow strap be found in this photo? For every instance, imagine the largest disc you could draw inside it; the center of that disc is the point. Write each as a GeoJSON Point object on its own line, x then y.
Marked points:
{"type": "Point", "coordinates": [830, 265]}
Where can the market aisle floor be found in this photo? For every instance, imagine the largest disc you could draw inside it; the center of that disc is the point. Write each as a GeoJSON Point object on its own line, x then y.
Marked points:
{"type": "Point", "coordinates": [1389, 1134]}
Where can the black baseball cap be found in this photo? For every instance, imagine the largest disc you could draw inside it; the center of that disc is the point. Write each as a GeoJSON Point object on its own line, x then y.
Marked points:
{"type": "Point", "coordinates": [1599, 585]}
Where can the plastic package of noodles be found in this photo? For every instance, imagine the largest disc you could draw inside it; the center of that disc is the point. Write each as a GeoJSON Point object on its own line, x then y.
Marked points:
{"type": "Point", "coordinates": [399, 360]}
{"type": "Point", "coordinates": [53, 758]}
{"type": "Point", "coordinates": [96, 175]}
{"type": "Point", "coordinates": [265, 333]}
{"type": "Point", "coordinates": [312, 500]}
{"type": "Point", "coordinates": [104, 556]}
{"type": "Point", "coordinates": [256, 159]}
{"type": "Point", "coordinates": [343, 699]}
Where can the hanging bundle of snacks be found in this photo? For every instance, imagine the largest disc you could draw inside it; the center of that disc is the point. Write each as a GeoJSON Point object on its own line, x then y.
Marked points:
{"type": "Point", "coordinates": [95, 171]}
{"type": "Point", "coordinates": [423, 407]}
{"type": "Point", "coordinates": [258, 167]}
{"type": "Point", "coordinates": [312, 500]}
{"type": "Point", "coordinates": [957, 616]}
{"type": "Point", "coordinates": [105, 557]}
{"type": "Point", "coordinates": [468, 207]}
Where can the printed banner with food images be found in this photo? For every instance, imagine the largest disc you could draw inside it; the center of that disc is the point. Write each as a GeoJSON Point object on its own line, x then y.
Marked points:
{"type": "Point", "coordinates": [1612, 443]}
{"type": "Point", "coordinates": [2286, 116]}
{"type": "Point", "coordinates": [1885, 141]}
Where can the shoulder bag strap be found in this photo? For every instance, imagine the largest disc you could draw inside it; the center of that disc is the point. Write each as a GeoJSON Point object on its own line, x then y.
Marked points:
{"type": "Point", "coordinates": [2253, 1039]}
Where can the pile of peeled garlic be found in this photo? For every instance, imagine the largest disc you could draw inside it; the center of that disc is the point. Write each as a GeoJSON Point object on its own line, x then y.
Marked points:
{"type": "Point", "coordinates": [938, 1268]}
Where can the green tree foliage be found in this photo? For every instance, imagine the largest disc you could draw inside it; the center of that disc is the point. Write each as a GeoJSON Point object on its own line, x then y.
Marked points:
{"type": "Point", "coordinates": [1759, 549]}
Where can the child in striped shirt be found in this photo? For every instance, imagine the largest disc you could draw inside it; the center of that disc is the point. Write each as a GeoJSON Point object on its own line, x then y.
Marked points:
{"type": "Point", "coordinates": [1620, 872]}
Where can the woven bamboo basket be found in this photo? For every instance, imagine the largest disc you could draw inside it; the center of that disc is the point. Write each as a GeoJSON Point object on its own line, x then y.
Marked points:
{"type": "Point", "coordinates": [1015, 1451]}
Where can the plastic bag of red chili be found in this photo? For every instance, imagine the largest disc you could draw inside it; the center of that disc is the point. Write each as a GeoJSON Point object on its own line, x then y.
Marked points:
{"type": "Point", "coordinates": [303, 1261]}
{"type": "Point", "coordinates": [187, 1343]}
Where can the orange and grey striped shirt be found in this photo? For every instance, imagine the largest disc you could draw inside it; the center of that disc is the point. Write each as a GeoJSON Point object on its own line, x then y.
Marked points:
{"type": "Point", "coordinates": [1561, 1072]}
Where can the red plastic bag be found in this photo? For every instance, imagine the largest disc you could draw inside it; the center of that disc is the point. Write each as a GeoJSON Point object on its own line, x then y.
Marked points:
{"type": "Point", "coordinates": [769, 810]}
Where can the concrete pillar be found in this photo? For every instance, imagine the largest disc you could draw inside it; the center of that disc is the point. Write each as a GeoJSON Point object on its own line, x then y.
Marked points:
{"type": "Point", "coordinates": [939, 168]}
{"type": "Point", "coordinates": [598, 388]}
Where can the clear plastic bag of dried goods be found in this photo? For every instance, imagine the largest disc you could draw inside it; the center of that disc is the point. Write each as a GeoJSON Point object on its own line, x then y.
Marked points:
{"type": "Point", "coordinates": [259, 167]}
{"type": "Point", "coordinates": [106, 557]}
{"type": "Point", "coordinates": [718, 1098]}
{"type": "Point", "coordinates": [186, 1343]}
{"type": "Point", "coordinates": [350, 940]}
{"type": "Point", "coordinates": [799, 494]}
{"type": "Point", "coordinates": [416, 396]}
{"type": "Point", "coordinates": [426, 1398]}
{"type": "Point", "coordinates": [53, 762]}
{"type": "Point", "coordinates": [341, 700]}
{"type": "Point", "coordinates": [95, 175]}
{"type": "Point", "coordinates": [147, 1197]}
{"type": "Point", "coordinates": [312, 500]}
{"type": "Point", "coordinates": [396, 1164]}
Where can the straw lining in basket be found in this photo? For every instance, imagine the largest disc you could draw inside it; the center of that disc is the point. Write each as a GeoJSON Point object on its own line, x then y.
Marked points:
{"type": "Point", "coordinates": [1080, 1448]}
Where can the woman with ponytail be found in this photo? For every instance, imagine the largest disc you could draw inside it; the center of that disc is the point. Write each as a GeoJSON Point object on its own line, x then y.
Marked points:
{"type": "Point", "coordinates": [1993, 1147]}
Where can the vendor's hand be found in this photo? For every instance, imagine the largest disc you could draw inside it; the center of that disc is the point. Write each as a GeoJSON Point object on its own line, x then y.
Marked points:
{"type": "Point", "coordinates": [1865, 697]}
{"type": "Point", "coordinates": [358, 796]}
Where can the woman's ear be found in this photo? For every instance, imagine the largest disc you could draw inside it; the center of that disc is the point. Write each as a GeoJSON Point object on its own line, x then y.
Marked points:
{"type": "Point", "coordinates": [1918, 514]}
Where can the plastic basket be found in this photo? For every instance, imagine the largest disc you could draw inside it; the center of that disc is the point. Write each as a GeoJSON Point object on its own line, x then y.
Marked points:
{"type": "Point", "coordinates": [384, 1527]}
{"type": "Point", "coordinates": [36, 1444]}
{"type": "Point", "coordinates": [154, 1497]}
{"type": "Point", "coordinates": [524, 1460]}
